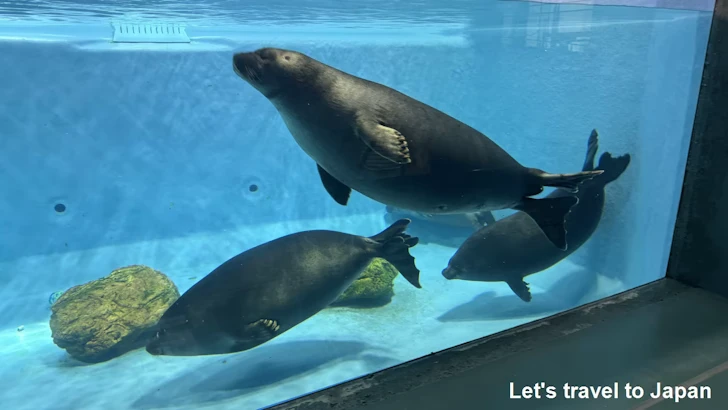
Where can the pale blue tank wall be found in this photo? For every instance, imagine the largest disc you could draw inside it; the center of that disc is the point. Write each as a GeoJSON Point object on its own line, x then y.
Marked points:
{"type": "Point", "coordinates": [147, 149]}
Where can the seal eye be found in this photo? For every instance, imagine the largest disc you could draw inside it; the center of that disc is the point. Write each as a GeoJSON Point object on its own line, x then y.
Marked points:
{"type": "Point", "coordinates": [287, 58]}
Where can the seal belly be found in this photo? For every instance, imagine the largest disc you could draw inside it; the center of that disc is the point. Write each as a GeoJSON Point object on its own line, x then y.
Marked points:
{"type": "Point", "coordinates": [438, 189]}
{"type": "Point", "coordinates": [330, 142]}
{"type": "Point", "coordinates": [436, 195]}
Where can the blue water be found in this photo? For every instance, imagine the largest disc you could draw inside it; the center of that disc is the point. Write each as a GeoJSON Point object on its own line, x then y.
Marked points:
{"type": "Point", "coordinates": [152, 149]}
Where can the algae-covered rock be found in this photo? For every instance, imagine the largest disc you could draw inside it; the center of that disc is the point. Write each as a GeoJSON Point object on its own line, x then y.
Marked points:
{"type": "Point", "coordinates": [375, 286]}
{"type": "Point", "coordinates": [105, 318]}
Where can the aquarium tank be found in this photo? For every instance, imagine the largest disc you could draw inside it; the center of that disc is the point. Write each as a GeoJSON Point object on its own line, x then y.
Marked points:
{"type": "Point", "coordinates": [228, 205]}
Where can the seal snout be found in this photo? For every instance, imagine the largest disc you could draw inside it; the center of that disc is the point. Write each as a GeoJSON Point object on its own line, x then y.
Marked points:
{"type": "Point", "coordinates": [245, 65]}
{"type": "Point", "coordinates": [154, 348]}
{"type": "Point", "coordinates": [450, 273]}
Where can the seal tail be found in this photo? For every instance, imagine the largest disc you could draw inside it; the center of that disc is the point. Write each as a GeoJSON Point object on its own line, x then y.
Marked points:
{"type": "Point", "coordinates": [612, 167]}
{"type": "Point", "coordinates": [394, 248]}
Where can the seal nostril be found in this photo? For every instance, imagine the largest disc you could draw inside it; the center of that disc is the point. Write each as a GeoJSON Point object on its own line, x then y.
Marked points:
{"type": "Point", "coordinates": [60, 208]}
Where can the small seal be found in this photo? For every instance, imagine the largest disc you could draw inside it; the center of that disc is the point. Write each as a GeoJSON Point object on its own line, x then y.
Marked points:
{"type": "Point", "coordinates": [397, 150]}
{"type": "Point", "coordinates": [514, 247]}
{"type": "Point", "coordinates": [269, 289]}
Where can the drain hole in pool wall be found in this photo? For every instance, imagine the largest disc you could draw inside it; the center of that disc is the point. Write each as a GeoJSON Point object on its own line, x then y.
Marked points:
{"type": "Point", "coordinates": [60, 208]}
{"type": "Point", "coordinates": [253, 189]}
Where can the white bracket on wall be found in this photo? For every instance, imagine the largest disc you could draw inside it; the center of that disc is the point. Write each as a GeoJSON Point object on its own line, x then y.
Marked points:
{"type": "Point", "coordinates": [149, 33]}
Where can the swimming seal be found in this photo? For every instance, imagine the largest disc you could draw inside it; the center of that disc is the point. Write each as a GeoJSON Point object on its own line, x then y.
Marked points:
{"type": "Point", "coordinates": [397, 150]}
{"type": "Point", "coordinates": [269, 289]}
{"type": "Point", "coordinates": [514, 247]}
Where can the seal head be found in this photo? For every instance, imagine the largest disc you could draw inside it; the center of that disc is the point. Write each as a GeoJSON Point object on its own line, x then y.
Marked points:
{"type": "Point", "coordinates": [271, 70]}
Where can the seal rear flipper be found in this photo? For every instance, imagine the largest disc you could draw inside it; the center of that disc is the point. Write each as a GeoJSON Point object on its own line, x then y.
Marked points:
{"type": "Point", "coordinates": [520, 288]}
{"type": "Point", "coordinates": [569, 182]}
{"type": "Point", "coordinates": [591, 151]}
{"type": "Point", "coordinates": [334, 187]}
{"type": "Point", "coordinates": [613, 167]}
{"type": "Point", "coordinates": [395, 229]}
{"type": "Point", "coordinates": [550, 215]}
{"type": "Point", "coordinates": [395, 246]}
{"type": "Point", "coordinates": [388, 147]}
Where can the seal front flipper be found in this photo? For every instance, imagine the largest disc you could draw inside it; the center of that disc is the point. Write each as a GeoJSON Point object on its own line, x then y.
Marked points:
{"type": "Point", "coordinates": [480, 219]}
{"type": "Point", "coordinates": [550, 215]}
{"type": "Point", "coordinates": [263, 329]}
{"type": "Point", "coordinates": [334, 187]}
{"type": "Point", "coordinates": [486, 218]}
{"type": "Point", "coordinates": [387, 147]}
{"type": "Point", "coordinates": [520, 288]}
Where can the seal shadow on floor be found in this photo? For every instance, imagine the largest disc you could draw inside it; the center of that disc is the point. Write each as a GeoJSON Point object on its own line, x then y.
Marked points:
{"type": "Point", "coordinates": [565, 294]}
{"type": "Point", "coordinates": [248, 372]}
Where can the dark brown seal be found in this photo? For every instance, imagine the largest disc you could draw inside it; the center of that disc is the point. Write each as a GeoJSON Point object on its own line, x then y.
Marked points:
{"type": "Point", "coordinates": [397, 150]}
{"type": "Point", "coordinates": [267, 290]}
{"type": "Point", "coordinates": [514, 247]}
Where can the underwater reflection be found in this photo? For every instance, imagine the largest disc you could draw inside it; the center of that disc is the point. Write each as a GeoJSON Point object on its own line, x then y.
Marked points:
{"type": "Point", "coordinates": [231, 376]}
{"type": "Point", "coordinates": [564, 294]}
